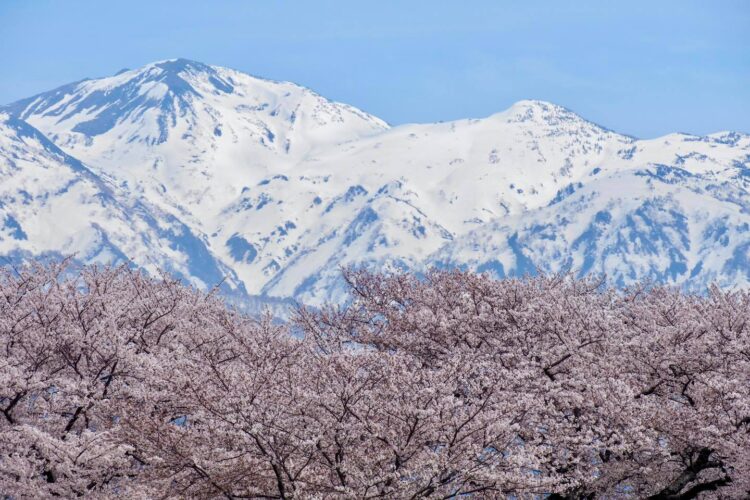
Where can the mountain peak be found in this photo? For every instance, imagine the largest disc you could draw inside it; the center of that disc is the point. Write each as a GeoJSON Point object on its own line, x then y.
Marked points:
{"type": "Point", "coordinates": [179, 65]}
{"type": "Point", "coordinates": [536, 104]}
{"type": "Point", "coordinates": [162, 91]}
{"type": "Point", "coordinates": [176, 74]}
{"type": "Point", "coordinates": [552, 116]}
{"type": "Point", "coordinates": [190, 101]}
{"type": "Point", "coordinates": [179, 62]}
{"type": "Point", "coordinates": [544, 110]}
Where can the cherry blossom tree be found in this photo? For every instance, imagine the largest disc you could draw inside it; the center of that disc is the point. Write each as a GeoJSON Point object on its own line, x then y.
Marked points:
{"type": "Point", "coordinates": [113, 383]}
{"type": "Point", "coordinates": [76, 344]}
{"type": "Point", "coordinates": [641, 393]}
{"type": "Point", "coordinates": [688, 361]}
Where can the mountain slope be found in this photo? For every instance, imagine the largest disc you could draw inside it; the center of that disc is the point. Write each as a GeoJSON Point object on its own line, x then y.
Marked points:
{"type": "Point", "coordinates": [660, 223]}
{"type": "Point", "coordinates": [283, 187]}
{"type": "Point", "coordinates": [52, 204]}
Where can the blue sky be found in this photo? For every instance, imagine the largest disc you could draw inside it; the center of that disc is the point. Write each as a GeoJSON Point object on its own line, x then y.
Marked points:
{"type": "Point", "coordinates": [644, 68]}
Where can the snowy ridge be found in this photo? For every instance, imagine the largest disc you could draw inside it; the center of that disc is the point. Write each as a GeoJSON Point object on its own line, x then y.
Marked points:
{"type": "Point", "coordinates": [281, 187]}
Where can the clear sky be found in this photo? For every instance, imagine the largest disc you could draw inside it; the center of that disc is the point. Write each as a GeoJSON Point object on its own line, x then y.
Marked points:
{"type": "Point", "coordinates": [643, 68]}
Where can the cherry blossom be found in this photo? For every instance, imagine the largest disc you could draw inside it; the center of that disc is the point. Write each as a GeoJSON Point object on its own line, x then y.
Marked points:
{"type": "Point", "coordinates": [114, 383]}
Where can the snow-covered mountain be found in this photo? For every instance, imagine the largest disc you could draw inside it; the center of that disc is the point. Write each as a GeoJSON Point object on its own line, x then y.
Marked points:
{"type": "Point", "coordinates": [279, 187]}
